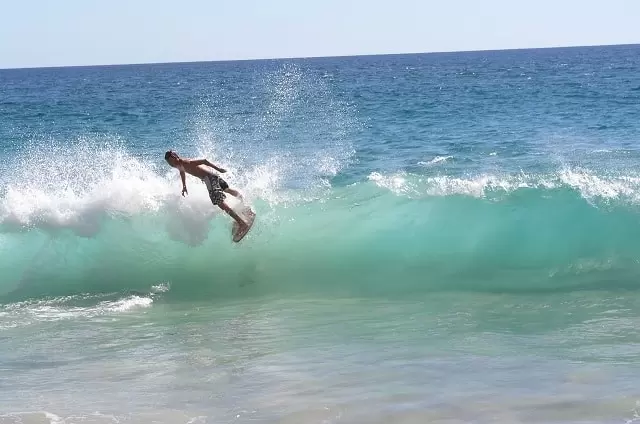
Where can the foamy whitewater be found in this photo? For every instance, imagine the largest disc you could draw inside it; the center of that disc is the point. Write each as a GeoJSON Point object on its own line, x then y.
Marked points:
{"type": "Point", "coordinates": [439, 238]}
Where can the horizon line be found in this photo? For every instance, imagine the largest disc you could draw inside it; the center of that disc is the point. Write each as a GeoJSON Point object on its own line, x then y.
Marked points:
{"type": "Point", "coordinates": [258, 59]}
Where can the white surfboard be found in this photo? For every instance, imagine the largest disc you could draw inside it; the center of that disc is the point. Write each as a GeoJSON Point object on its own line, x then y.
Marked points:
{"type": "Point", "coordinates": [248, 215]}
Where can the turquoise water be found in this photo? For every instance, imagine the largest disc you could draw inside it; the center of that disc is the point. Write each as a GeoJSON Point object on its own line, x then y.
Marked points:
{"type": "Point", "coordinates": [439, 238]}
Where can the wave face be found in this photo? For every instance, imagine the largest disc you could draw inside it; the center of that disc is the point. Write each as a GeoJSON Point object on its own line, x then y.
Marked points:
{"type": "Point", "coordinates": [370, 176]}
{"type": "Point", "coordinates": [65, 231]}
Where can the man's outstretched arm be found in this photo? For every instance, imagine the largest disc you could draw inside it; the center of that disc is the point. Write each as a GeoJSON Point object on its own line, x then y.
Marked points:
{"type": "Point", "coordinates": [184, 183]}
{"type": "Point", "coordinates": [206, 162]}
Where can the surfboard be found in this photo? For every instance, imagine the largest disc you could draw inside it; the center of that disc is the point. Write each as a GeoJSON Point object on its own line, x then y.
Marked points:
{"type": "Point", "coordinates": [249, 216]}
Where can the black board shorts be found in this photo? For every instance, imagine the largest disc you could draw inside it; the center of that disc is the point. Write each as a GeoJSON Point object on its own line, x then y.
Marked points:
{"type": "Point", "coordinates": [216, 186]}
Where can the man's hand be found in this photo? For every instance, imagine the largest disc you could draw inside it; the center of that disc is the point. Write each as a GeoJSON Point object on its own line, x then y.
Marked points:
{"type": "Point", "coordinates": [221, 170]}
{"type": "Point", "coordinates": [184, 191]}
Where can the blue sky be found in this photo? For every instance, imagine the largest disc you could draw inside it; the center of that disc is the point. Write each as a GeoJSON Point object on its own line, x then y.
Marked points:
{"type": "Point", "coordinates": [91, 32]}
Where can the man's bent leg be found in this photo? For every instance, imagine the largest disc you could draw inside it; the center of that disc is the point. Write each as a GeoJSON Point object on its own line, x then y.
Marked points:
{"type": "Point", "coordinates": [233, 214]}
{"type": "Point", "coordinates": [234, 193]}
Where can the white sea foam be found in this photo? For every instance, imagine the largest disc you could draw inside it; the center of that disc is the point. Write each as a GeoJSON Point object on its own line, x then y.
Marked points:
{"type": "Point", "coordinates": [397, 183]}
{"type": "Point", "coordinates": [24, 313]}
{"type": "Point", "coordinates": [54, 188]}
{"type": "Point", "coordinates": [48, 193]}
{"type": "Point", "coordinates": [127, 304]}
{"type": "Point", "coordinates": [590, 185]}
{"type": "Point", "coordinates": [161, 288]}
{"type": "Point", "coordinates": [479, 186]}
{"type": "Point", "coordinates": [435, 160]}
{"type": "Point", "coordinates": [593, 186]}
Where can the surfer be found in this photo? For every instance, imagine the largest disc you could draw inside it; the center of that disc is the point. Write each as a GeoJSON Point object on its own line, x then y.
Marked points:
{"type": "Point", "coordinates": [216, 186]}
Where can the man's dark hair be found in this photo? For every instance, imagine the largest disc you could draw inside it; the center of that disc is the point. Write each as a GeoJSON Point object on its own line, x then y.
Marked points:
{"type": "Point", "coordinates": [170, 154]}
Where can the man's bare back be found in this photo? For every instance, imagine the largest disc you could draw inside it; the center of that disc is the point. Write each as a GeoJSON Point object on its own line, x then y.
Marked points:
{"type": "Point", "coordinates": [194, 167]}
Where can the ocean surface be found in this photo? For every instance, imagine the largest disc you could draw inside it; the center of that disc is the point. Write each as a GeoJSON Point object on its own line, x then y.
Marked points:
{"type": "Point", "coordinates": [440, 238]}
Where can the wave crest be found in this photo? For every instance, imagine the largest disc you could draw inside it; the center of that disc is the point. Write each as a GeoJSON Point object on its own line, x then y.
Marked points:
{"type": "Point", "coordinates": [590, 185]}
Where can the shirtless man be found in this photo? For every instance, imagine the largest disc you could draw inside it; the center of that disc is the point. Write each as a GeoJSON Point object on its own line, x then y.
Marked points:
{"type": "Point", "coordinates": [215, 185]}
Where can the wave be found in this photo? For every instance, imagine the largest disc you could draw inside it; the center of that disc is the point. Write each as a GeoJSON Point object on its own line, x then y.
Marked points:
{"type": "Point", "coordinates": [129, 229]}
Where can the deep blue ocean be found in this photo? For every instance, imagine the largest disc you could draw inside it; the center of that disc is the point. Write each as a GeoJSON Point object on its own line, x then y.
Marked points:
{"type": "Point", "coordinates": [439, 238]}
